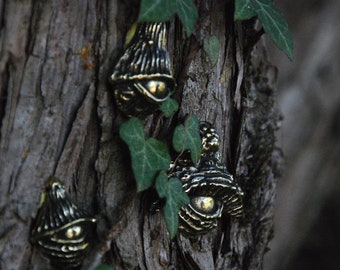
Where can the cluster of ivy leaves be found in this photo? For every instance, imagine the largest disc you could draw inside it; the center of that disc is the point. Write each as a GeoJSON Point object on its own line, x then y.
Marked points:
{"type": "Point", "coordinates": [150, 161]}
{"type": "Point", "coordinates": [272, 20]}
{"type": "Point", "coordinates": [150, 157]}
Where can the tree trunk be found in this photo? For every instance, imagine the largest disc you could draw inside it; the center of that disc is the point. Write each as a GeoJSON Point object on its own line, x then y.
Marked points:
{"type": "Point", "coordinates": [57, 117]}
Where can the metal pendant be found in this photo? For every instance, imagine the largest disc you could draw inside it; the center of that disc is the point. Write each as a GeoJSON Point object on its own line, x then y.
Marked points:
{"type": "Point", "coordinates": [61, 231]}
{"type": "Point", "coordinates": [210, 187]}
{"type": "Point", "coordinates": [142, 79]}
{"type": "Point", "coordinates": [211, 190]}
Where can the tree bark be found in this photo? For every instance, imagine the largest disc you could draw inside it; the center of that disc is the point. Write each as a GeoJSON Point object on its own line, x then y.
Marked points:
{"type": "Point", "coordinates": [58, 117]}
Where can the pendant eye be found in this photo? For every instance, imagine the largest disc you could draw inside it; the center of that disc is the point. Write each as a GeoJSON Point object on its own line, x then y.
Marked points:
{"type": "Point", "coordinates": [203, 204]}
{"type": "Point", "coordinates": [73, 232]}
{"type": "Point", "coordinates": [157, 88]}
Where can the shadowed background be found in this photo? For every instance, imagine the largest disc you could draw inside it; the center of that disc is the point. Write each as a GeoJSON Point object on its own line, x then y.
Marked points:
{"type": "Point", "coordinates": [307, 218]}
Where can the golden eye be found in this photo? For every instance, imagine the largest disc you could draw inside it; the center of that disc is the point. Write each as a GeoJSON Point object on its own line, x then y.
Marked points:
{"type": "Point", "coordinates": [73, 232]}
{"type": "Point", "coordinates": [156, 87]}
{"type": "Point", "coordinates": [204, 204]}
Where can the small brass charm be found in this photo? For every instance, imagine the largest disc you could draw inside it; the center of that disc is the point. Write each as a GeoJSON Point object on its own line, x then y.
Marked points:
{"type": "Point", "coordinates": [142, 79]}
{"type": "Point", "coordinates": [61, 231]}
{"type": "Point", "coordinates": [210, 187]}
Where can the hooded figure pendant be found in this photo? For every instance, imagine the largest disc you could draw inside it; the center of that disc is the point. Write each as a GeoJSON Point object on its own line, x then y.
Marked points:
{"type": "Point", "coordinates": [210, 187]}
{"type": "Point", "coordinates": [142, 79]}
{"type": "Point", "coordinates": [61, 231]}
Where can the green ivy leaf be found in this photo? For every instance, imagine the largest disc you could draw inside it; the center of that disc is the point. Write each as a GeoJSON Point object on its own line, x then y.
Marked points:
{"type": "Point", "coordinates": [275, 25]}
{"type": "Point", "coordinates": [272, 20]}
{"type": "Point", "coordinates": [243, 10]}
{"type": "Point", "coordinates": [163, 10]}
{"type": "Point", "coordinates": [132, 132]}
{"type": "Point", "coordinates": [148, 157]}
{"type": "Point", "coordinates": [171, 189]}
{"type": "Point", "coordinates": [169, 107]}
{"type": "Point", "coordinates": [161, 184]}
{"type": "Point", "coordinates": [104, 267]}
{"type": "Point", "coordinates": [187, 13]}
{"type": "Point", "coordinates": [211, 47]}
{"type": "Point", "coordinates": [156, 10]}
{"type": "Point", "coordinates": [187, 137]}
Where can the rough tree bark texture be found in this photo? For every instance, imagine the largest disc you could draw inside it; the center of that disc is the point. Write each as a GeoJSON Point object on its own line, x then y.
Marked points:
{"type": "Point", "coordinates": [58, 118]}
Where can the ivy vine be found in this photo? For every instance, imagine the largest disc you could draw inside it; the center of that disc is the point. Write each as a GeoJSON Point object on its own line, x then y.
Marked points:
{"type": "Point", "coordinates": [272, 20]}
{"type": "Point", "coordinates": [150, 157]}
{"type": "Point", "coordinates": [163, 10]}
{"type": "Point", "coordinates": [150, 160]}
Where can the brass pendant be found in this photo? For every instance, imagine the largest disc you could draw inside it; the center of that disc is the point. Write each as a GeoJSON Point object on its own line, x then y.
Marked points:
{"type": "Point", "coordinates": [142, 79]}
{"type": "Point", "coordinates": [210, 187]}
{"type": "Point", "coordinates": [61, 231]}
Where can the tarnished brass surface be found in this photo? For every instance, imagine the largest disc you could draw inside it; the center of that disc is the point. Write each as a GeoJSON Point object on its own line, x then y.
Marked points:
{"type": "Point", "coordinates": [210, 187]}
{"type": "Point", "coordinates": [61, 231]}
{"type": "Point", "coordinates": [142, 78]}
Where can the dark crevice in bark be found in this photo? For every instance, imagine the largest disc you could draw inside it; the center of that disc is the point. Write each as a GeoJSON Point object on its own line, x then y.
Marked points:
{"type": "Point", "coordinates": [32, 30]}
{"type": "Point", "coordinates": [3, 94]}
{"type": "Point", "coordinates": [250, 35]}
{"type": "Point", "coordinates": [236, 114]}
{"type": "Point", "coordinates": [86, 20]}
{"type": "Point", "coordinates": [142, 218]}
{"type": "Point", "coordinates": [45, 58]}
{"type": "Point", "coordinates": [2, 13]}
{"type": "Point", "coordinates": [68, 127]}
{"type": "Point", "coordinates": [96, 118]}
{"type": "Point", "coordinates": [225, 245]}
{"type": "Point", "coordinates": [185, 52]}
